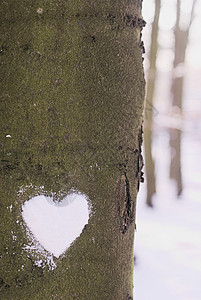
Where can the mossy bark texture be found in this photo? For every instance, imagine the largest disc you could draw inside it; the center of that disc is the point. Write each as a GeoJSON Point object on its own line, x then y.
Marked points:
{"type": "Point", "coordinates": [71, 115]}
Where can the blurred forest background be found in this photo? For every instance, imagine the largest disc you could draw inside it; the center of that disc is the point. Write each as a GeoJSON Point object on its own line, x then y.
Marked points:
{"type": "Point", "coordinates": [168, 238]}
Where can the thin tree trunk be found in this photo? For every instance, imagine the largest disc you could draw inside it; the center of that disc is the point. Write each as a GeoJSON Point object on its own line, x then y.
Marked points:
{"type": "Point", "coordinates": [72, 102]}
{"type": "Point", "coordinates": [149, 162]}
{"type": "Point", "coordinates": [181, 43]}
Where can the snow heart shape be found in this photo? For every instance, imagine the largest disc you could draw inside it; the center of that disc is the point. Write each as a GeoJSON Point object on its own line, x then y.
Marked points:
{"type": "Point", "coordinates": [56, 225]}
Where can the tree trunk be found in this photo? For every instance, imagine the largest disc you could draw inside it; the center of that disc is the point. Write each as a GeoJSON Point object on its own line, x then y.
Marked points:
{"type": "Point", "coordinates": [149, 162]}
{"type": "Point", "coordinates": [72, 102]}
{"type": "Point", "coordinates": [181, 43]}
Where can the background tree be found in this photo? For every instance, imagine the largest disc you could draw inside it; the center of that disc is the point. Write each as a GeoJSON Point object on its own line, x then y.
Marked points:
{"type": "Point", "coordinates": [71, 111]}
{"type": "Point", "coordinates": [149, 162]}
{"type": "Point", "coordinates": [181, 42]}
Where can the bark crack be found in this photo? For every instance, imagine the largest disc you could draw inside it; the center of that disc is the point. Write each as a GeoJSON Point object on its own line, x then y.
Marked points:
{"type": "Point", "coordinates": [126, 206]}
{"type": "Point", "coordinates": [140, 173]}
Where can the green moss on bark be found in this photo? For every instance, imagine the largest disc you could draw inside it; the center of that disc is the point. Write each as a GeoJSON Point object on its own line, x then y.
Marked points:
{"type": "Point", "coordinates": [72, 101]}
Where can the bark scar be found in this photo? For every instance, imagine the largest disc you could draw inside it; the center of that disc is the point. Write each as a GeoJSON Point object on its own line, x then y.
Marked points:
{"type": "Point", "coordinates": [126, 207]}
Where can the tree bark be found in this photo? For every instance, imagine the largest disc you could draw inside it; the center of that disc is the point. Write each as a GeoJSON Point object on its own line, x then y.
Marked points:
{"type": "Point", "coordinates": [149, 162]}
{"type": "Point", "coordinates": [72, 102]}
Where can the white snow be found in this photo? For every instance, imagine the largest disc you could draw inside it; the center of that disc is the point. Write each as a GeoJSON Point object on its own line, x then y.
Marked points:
{"type": "Point", "coordinates": [168, 237]}
{"type": "Point", "coordinates": [56, 225]}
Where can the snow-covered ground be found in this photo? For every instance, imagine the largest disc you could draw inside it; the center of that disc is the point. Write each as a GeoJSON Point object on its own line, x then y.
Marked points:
{"type": "Point", "coordinates": [168, 238]}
